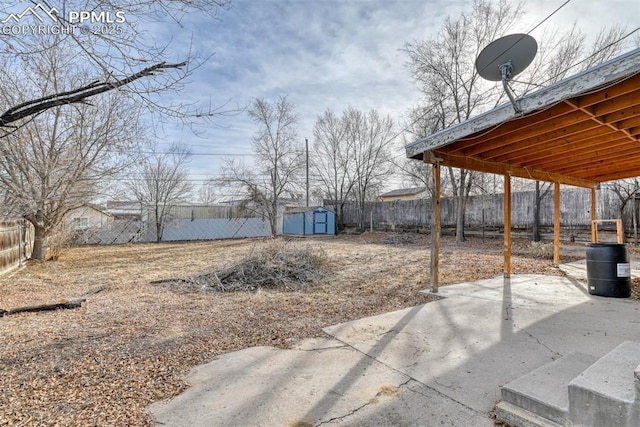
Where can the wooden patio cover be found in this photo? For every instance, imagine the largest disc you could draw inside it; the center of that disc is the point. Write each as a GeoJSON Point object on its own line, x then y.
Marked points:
{"type": "Point", "coordinates": [580, 131]}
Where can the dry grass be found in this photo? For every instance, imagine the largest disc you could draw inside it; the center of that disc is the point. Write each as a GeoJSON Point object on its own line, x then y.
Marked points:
{"type": "Point", "coordinates": [131, 344]}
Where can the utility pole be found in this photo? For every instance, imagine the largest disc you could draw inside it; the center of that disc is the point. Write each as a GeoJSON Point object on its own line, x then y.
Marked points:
{"type": "Point", "coordinates": [306, 143]}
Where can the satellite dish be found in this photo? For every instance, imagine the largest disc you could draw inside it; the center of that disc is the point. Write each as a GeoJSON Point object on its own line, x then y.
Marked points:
{"type": "Point", "coordinates": [513, 52]}
{"type": "Point", "coordinates": [505, 58]}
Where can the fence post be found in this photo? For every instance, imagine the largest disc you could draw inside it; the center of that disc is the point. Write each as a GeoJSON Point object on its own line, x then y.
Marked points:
{"type": "Point", "coordinates": [371, 220]}
{"type": "Point", "coordinates": [20, 244]}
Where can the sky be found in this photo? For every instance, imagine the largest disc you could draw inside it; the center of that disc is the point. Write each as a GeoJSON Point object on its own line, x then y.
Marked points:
{"type": "Point", "coordinates": [326, 54]}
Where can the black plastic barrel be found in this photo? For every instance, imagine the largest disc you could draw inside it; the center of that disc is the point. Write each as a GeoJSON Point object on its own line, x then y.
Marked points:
{"type": "Point", "coordinates": [608, 270]}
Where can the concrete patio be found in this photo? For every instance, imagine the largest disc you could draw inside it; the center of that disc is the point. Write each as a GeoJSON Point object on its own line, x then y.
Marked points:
{"type": "Point", "coordinates": [442, 363]}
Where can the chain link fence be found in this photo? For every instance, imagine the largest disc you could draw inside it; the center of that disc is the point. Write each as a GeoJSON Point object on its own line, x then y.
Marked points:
{"type": "Point", "coordinates": [138, 231]}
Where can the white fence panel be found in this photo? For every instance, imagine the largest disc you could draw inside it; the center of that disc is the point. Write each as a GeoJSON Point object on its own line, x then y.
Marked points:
{"type": "Point", "coordinates": [216, 228]}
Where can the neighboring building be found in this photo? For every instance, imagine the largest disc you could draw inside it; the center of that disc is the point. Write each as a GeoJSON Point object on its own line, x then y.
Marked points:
{"type": "Point", "coordinates": [124, 209]}
{"type": "Point", "coordinates": [309, 221]}
{"type": "Point", "coordinates": [194, 211]}
{"type": "Point", "coordinates": [404, 194]}
{"type": "Point", "coordinates": [86, 217]}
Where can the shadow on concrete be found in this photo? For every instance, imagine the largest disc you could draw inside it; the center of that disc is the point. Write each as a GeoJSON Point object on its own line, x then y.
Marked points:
{"type": "Point", "coordinates": [441, 363]}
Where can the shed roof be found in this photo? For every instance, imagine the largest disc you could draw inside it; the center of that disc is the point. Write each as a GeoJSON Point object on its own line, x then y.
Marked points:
{"type": "Point", "coordinates": [304, 209]}
{"type": "Point", "coordinates": [580, 131]}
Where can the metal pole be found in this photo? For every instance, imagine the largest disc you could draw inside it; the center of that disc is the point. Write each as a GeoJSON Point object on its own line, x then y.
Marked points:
{"type": "Point", "coordinates": [306, 143]}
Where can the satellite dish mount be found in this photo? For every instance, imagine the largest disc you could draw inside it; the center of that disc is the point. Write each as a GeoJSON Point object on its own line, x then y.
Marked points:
{"type": "Point", "coordinates": [505, 58]}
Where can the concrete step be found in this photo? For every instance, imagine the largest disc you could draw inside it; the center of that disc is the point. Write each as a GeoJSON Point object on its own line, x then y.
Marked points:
{"type": "Point", "coordinates": [605, 392]}
{"type": "Point", "coordinates": [514, 416]}
{"type": "Point", "coordinates": [544, 391]}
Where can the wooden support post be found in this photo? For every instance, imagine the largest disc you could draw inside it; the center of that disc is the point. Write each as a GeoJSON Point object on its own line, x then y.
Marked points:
{"type": "Point", "coordinates": [594, 216]}
{"type": "Point", "coordinates": [619, 229]}
{"type": "Point", "coordinates": [435, 235]}
{"type": "Point", "coordinates": [507, 225]}
{"type": "Point", "coordinates": [556, 223]}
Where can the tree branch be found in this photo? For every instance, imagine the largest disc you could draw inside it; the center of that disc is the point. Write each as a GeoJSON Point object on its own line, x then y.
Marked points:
{"type": "Point", "coordinates": [39, 105]}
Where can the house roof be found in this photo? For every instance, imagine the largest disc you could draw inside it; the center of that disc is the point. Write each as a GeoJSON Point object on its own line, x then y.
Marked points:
{"type": "Point", "coordinates": [404, 192]}
{"type": "Point", "coordinates": [123, 208]}
{"type": "Point", "coordinates": [91, 206]}
{"type": "Point", "coordinates": [580, 131]}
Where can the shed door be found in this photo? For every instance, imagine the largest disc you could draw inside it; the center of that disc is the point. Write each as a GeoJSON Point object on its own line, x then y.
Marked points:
{"type": "Point", "coordinates": [320, 222]}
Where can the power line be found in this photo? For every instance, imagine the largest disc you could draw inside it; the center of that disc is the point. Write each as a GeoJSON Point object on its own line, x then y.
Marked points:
{"type": "Point", "coordinates": [168, 153]}
{"type": "Point", "coordinates": [629, 34]}
{"type": "Point", "coordinates": [406, 128]}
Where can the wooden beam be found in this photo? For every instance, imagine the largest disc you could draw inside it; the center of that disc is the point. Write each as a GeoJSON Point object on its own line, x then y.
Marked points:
{"type": "Point", "coordinates": [511, 126]}
{"type": "Point", "coordinates": [603, 172]}
{"type": "Point", "coordinates": [601, 81]}
{"type": "Point", "coordinates": [435, 236]}
{"type": "Point", "coordinates": [620, 160]}
{"type": "Point", "coordinates": [524, 128]}
{"type": "Point", "coordinates": [463, 162]}
{"type": "Point", "coordinates": [583, 157]}
{"type": "Point", "coordinates": [623, 118]}
{"type": "Point", "coordinates": [624, 87]}
{"type": "Point", "coordinates": [594, 216]}
{"type": "Point", "coordinates": [556, 223]}
{"type": "Point", "coordinates": [575, 141]}
{"type": "Point", "coordinates": [599, 112]}
{"type": "Point", "coordinates": [612, 105]}
{"type": "Point", "coordinates": [551, 134]}
{"type": "Point", "coordinates": [507, 225]}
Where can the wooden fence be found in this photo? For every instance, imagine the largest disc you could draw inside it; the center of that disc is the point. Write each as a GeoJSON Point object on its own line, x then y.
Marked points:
{"type": "Point", "coordinates": [486, 212]}
{"type": "Point", "coordinates": [16, 242]}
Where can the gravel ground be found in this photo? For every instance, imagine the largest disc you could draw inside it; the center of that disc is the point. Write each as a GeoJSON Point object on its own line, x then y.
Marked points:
{"type": "Point", "coordinates": [131, 343]}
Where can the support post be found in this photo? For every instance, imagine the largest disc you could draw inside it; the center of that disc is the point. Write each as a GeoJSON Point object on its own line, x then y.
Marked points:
{"type": "Point", "coordinates": [306, 145]}
{"type": "Point", "coordinates": [507, 226]}
{"type": "Point", "coordinates": [594, 216]}
{"type": "Point", "coordinates": [556, 223]}
{"type": "Point", "coordinates": [435, 234]}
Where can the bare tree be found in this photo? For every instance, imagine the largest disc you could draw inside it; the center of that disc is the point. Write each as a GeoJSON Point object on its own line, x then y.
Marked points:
{"type": "Point", "coordinates": [558, 57]}
{"type": "Point", "coordinates": [278, 164]}
{"type": "Point", "coordinates": [57, 145]}
{"type": "Point", "coordinates": [333, 160]}
{"type": "Point", "coordinates": [372, 138]}
{"type": "Point", "coordinates": [53, 164]}
{"type": "Point", "coordinates": [162, 182]}
{"type": "Point", "coordinates": [421, 122]}
{"type": "Point", "coordinates": [626, 190]}
{"type": "Point", "coordinates": [443, 69]}
{"type": "Point", "coordinates": [207, 193]}
{"type": "Point", "coordinates": [111, 40]}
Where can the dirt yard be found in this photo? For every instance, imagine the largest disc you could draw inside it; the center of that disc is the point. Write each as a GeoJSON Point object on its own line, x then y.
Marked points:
{"type": "Point", "coordinates": [131, 343]}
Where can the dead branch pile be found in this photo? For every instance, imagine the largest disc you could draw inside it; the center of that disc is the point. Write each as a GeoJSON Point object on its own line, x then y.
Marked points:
{"type": "Point", "coordinates": [279, 265]}
{"type": "Point", "coordinates": [401, 239]}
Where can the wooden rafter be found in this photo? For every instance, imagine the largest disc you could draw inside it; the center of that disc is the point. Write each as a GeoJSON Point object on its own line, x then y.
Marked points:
{"type": "Point", "coordinates": [581, 131]}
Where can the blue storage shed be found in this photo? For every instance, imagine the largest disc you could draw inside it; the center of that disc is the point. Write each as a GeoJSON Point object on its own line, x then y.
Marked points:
{"type": "Point", "coordinates": [309, 221]}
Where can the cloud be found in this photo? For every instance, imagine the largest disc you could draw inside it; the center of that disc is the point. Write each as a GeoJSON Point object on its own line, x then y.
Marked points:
{"type": "Point", "coordinates": [329, 54]}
